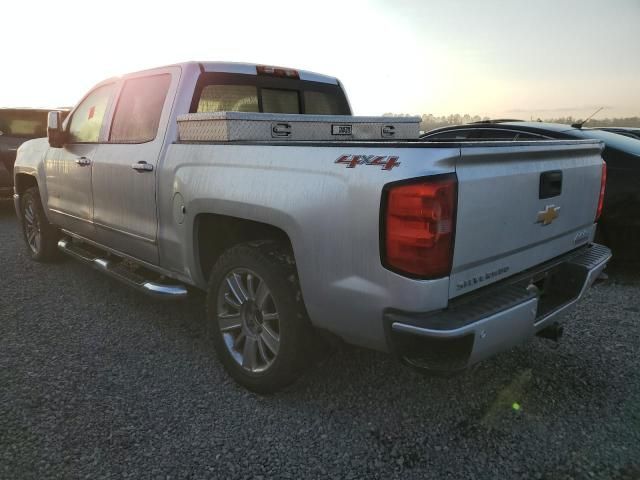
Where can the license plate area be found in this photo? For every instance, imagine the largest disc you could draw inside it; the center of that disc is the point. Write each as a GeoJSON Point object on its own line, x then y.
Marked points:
{"type": "Point", "coordinates": [557, 287]}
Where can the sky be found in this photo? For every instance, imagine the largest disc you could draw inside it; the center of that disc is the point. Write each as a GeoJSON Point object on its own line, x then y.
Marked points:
{"type": "Point", "coordinates": [499, 58]}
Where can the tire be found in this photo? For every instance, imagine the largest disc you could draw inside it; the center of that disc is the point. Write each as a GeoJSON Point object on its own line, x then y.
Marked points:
{"type": "Point", "coordinates": [41, 238]}
{"type": "Point", "coordinates": [256, 317]}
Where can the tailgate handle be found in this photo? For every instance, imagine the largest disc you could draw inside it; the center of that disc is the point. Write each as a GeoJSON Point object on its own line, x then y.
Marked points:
{"type": "Point", "coordinates": [550, 184]}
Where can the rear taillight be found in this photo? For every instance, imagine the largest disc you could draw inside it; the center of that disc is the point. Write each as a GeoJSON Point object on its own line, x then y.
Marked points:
{"type": "Point", "coordinates": [603, 185]}
{"type": "Point", "coordinates": [419, 226]}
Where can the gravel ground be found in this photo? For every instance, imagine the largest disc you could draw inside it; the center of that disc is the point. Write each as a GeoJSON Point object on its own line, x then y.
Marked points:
{"type": "Point", "coordinates": [98, 381]}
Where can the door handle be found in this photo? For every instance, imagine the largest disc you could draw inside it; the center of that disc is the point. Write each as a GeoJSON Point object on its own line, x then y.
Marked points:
{"type": "Point", "coordinates": [83, 161]}
{"type": "Point", "coordinates": [142, 166]}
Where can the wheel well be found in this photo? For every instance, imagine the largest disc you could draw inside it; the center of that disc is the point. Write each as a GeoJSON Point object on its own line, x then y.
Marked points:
{"type": "Point", "coordinates": [215, 234]}
{"type": "Point", "coordinates": [24, 182]}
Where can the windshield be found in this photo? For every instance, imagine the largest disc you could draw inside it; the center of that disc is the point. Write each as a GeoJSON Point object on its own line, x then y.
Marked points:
{"type": "Point", "coordinates": [613, 140]}
{"type": "Point", "coordinates": [23, 123]}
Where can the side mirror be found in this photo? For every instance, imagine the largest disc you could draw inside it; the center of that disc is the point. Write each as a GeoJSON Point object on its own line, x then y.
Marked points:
{"type": "Point", "coordinates": [55, 133]}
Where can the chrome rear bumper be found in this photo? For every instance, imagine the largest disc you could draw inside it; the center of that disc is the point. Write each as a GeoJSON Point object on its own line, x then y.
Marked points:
{"type": "Point", "coordinates": [495, 318]}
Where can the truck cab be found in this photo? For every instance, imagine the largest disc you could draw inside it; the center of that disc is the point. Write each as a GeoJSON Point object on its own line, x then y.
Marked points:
{"type": "Point", "coordinates": [122, 127]}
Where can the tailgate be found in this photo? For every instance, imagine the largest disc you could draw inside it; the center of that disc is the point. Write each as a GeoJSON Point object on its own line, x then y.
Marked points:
{"type": "Point", "coordinates": [504, 224]}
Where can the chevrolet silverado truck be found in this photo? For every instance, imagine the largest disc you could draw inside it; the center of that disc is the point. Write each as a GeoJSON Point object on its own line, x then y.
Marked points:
{"type": "Point", "coordinates": [256, 185]}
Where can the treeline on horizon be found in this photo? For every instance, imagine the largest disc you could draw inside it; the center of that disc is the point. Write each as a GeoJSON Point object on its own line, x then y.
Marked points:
{"type": "Point", "coordinates": [429, 121]}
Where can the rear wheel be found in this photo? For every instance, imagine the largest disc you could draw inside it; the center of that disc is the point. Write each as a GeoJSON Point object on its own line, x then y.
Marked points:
{"type": "Point", "coordinates": [257, 320]}
{"type": "Point", "coordinates": [40, 236]}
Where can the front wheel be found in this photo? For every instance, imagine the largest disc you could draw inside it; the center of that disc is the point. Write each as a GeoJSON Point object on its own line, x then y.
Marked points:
{"type": "Point", "coordinates": [256, 316]}
{"type": "Point", "coordinates": [40, 236]}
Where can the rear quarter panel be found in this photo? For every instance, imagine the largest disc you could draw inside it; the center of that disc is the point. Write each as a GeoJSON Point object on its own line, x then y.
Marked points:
{"type": "Point", "coordinates": [331, 214]}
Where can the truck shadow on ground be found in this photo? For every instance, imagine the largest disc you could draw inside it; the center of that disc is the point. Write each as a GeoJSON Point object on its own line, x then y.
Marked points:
{"type": "Point", "coordinates": [7, 209]}
{"type": "Point", "coordinates": [137, 356]}
{"type": "Point", "coordinates": [353, 378]}
{"type": "Point", "coordinates": [345, 380]}
{"type": "Point", "coordinates": [624, 270]}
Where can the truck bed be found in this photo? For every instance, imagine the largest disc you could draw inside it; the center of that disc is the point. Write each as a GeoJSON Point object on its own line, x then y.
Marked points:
{"type": "Point", "coordinates": [332, 214]}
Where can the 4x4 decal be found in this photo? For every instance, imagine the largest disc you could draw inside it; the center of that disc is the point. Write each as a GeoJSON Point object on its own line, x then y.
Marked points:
{"type": "Point", "coordinates": [387, 162]}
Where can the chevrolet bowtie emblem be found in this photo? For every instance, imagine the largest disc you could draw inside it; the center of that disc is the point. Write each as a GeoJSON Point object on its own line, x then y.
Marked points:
{"type": "Point", "coordinates": [548, 215]}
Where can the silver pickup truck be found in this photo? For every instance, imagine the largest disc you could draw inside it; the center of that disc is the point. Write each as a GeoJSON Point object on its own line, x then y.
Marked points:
{"type": "Point", "coordinates": [443, 254]}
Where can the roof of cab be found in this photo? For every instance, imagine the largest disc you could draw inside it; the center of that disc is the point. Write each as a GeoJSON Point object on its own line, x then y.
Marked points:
{"type": "Point", "coordinates": [250, 69]}
{"type": "Point", "coordinates": [247, 69]}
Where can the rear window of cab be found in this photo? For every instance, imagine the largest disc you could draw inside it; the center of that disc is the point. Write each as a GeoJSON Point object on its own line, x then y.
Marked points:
{"type": "Point", "coordinates": [223, 92]}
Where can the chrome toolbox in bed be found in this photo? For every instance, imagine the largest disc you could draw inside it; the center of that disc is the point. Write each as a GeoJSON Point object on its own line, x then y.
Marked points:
{"type": "Point", "coordinates": [238, 126]}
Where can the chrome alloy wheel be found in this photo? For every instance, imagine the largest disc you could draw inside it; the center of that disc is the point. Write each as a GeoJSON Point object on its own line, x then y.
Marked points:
{"type": "Point", "coordinates": [248, 320]}
{"type": "Point", "coordinates": [32, 226]}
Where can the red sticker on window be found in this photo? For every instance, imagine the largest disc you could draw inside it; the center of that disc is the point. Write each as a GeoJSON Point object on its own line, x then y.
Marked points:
{"type": "Point", "coordinates": [92, 110]}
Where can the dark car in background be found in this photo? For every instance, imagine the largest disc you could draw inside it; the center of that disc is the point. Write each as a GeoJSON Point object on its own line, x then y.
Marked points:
{"type": "Point", "coordinates": [619, 226]}
{"type": "Point", "coordinates": [628, 131]}
{"type": "Point", "coordinates": [17, 125]}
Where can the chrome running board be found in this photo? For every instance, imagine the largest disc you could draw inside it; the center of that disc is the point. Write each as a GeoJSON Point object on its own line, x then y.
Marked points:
{"type": "Point", "coordinates": [119, 270]}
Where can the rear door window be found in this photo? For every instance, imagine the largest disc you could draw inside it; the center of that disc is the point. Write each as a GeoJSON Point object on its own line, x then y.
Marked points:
{"type": "Point", "coordinates": [139, 108]}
